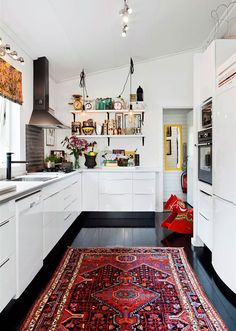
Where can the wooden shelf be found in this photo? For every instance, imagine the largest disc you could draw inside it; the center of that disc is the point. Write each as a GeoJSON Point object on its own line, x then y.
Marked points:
{"type": "Point", "coordinates": [94, 136]}
{"type": "Point", "coordinates": [111, 136]}
{"type": "Point", "coordinates": [105, 111]}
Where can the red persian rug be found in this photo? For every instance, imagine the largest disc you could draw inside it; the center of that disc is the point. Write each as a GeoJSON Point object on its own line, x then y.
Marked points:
{"type": "Point", "coordinates": [123, 289]}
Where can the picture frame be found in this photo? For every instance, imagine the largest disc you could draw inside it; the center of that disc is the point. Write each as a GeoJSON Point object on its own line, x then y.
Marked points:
{"type": "Point", "coordinates": [168, 147]}
{"type": "Point", "coordinates": [119, 120]}
{"type": "Point", "coordinates": [50, 137]}
{"type": "Point", "coordinates": [128, 121]}
{"type": "Point", "coordinates": [60, 153]}
{"type": "Point", "coordinates": [168, 131]}
{"type": "Point", "coordinates": [137, 121]}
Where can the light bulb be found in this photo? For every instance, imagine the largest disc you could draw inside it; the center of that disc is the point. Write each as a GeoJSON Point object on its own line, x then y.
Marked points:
{"type": "Point", "coordinates": [125, 28]}
{"type": "Point", "coordinates": [130, 11]}
{"type": "Point", "coordinates": [125, 18]}
{"type": "Point", "coordinates": [8, 48]}
{"type": "Point", "coordinates": [14, 55]}
{"type": "Point", "coordinates": [21, 60]}
{"type": "Point", "coordinates": [123, 33]}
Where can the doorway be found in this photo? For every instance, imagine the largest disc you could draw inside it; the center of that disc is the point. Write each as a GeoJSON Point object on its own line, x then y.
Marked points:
{"type": "Point", "coordinates": [178, 153]}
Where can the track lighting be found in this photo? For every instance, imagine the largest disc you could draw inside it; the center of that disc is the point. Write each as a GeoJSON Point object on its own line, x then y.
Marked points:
{"type": "Point", "coordinates": [6, 49]}
{"type": "Point", "coordinates": [123, 33]}
{"type": "Point", "coordinates": [124, 13]}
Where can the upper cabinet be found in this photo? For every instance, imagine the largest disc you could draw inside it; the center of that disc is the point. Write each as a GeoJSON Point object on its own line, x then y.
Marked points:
{"type": "Point", "coordinates": [205, 65]}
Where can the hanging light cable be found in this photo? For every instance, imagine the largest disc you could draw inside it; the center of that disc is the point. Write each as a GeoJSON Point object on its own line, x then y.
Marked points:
{"type": "Point", "coordinates": [82, 84]}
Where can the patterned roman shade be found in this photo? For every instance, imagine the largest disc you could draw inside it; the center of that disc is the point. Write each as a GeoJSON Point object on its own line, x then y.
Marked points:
{"type": "Point", "coordinates": [10, 82]}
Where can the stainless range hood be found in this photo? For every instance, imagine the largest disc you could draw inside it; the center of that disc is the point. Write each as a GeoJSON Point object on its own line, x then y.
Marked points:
{"type": "Point", "coordinates": [42, 116]}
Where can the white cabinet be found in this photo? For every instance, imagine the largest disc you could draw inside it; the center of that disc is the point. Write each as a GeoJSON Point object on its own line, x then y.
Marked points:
{"type": "Point", "coordinates": [224, 243]}
{"type": "Point", "coordinates": [119, 191]}
{"type": "Point", "coordinates": [7, 253]}
{"type": "Point", "coordinates": [205, 218]}
{"type": "Point", "coordinates": [61, 207]}
{"type": "Point", "coordinates": [207, 73]}
{"type": "Point", "coordinates": [53, 221]}
{"type": "Point", "coordinates": [29, 240]}
{"type": "Point", "coordinates": [90, 192]}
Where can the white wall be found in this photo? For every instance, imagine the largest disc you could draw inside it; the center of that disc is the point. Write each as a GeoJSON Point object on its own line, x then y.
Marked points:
{"type": "Point", "coordinates": [166, 83]}
{"type": "Point", "coordinates": [172, 178]}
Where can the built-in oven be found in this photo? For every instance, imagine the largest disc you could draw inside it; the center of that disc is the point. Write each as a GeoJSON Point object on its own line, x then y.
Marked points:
{"type": "Point", "coordinates": [206, 111]}
{"type": "Point", "coordinates": [205, 156]}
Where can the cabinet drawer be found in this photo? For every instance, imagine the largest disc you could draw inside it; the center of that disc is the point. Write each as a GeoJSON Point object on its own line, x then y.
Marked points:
{"type": "Point", "coordinates": [7, 210]}
{"type": "Point", "coordinates": [144, 202]}
{"type": "Point", "coordinates": [144, 186]}
{"type": "Point", "coordinates": [7, 238]}
{"type": "Point", "coordinates": [205, 230]}
{"type": "Point", "coordinates": [144, 175]}
{"type": "Point", "coordinates": [7, 281]}
{"type": "Point", "coordinates": [205, 205]}
{"type": "Point", "coordinates": [116, 202]}
{"type": "Point", "coordinates": [115, 176]}
{"type": "Point", "coordinates": [53, 207]}
{"type": "Point", "coordinates": [52, 232]}
{"type": "Point", "coordinates": [116, 187]}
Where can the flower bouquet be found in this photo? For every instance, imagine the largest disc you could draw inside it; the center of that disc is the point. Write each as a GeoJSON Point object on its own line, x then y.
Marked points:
{"type": "Point", "coordinates": [77, 146]}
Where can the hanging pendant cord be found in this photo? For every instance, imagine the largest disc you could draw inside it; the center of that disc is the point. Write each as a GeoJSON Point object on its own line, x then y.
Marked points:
{"type": "Point", "coordinates": [130, 73]}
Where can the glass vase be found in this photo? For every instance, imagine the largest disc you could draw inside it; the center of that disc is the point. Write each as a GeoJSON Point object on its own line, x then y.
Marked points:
{"type": "Point", "coordinates": [76, 162]}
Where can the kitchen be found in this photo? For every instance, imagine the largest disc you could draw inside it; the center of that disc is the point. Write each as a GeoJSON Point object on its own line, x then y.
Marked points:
{"type": "Point", "coordinates": [117, 202]}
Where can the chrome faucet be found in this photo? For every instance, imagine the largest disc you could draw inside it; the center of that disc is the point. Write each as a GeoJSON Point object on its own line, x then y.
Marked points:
{"type": "Point", "coordinates": [9, 163]}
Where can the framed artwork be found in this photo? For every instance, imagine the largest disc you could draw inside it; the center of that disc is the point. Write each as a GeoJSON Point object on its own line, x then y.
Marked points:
{"type": "Point", "coordinates": [137, 120]}
{"type": "Point", "coordinates": [128, 121]}
{"type": "Point", "coordinates": [119, 120]}
{"type": "Point", "coordinates": [60, 154]}
{"type": "Point", "coordinates": [168, 131]}
{"type": "Point", "coordinates": [50, 137]}
{"type": "Point", "coordinates": [168, 147]}
{"type": "Point", "coordinates": [118, 151]}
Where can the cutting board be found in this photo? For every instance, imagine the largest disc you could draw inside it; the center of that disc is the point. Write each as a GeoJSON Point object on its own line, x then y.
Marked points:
{"type": "Point", "coordinates": [6, 188]}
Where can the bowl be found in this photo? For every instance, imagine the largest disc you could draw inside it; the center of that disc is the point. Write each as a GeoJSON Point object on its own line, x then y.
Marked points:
{"type": "Point", "coordinates": [88, 130]}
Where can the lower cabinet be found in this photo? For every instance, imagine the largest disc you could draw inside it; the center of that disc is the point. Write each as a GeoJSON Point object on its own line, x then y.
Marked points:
{"type": "Point", "coordinates": [29, 240]}
{"type": "Point", "coordinates": [224, 243]}
{"type": "Point", "coordinates": [205, 218]}
{"type": "Point", "coordinates": [119, 191]}
{"type": "Point", "coordinates": [7, 253]}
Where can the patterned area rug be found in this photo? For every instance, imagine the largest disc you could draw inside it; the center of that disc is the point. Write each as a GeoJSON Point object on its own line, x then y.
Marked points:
{"type": "Point", "coordinates": [123, 289]}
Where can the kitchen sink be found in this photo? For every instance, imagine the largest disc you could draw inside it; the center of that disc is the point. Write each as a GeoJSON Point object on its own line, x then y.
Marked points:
{"type": "Point", "coordinates": [32, 179]}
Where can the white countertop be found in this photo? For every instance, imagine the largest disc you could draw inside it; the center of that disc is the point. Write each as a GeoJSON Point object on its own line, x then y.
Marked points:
{"type": "Point", "coordinates": [24, 188]}
{"type": "Point", "coordinates": [121, 169]}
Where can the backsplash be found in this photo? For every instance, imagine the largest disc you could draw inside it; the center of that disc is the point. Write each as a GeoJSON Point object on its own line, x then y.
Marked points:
{"type": "Point", "coordinates": [34, 148]}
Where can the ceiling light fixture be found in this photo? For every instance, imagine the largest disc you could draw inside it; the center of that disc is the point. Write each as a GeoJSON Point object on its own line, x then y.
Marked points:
{"type": "Point", "coordinates": [124, 13]}
{"type": "Point", "coordinates": [5, 49]}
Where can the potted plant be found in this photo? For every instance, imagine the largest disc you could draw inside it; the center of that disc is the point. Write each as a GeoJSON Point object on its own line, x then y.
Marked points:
{"type": "Point", "coordinates": [51, 161]}
{"type": "Point", "coordinates": [90, 157]}
{"type": "Point", "coordinates": [77, 146]}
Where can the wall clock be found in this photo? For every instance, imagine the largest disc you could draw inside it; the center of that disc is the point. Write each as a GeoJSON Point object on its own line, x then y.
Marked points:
{"type": "Point", "coordinates": [118, 105]}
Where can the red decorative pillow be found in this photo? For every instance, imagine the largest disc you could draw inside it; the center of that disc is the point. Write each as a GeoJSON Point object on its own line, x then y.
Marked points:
{"type": "Point", "coordinates": [183, 223]}
{"type": "Point", "coordinates": [166, 223]}
{"type": "Point", "coordinates": [174, 201]}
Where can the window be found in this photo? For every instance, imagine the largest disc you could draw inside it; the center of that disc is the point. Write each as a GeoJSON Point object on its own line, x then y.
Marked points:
{"type": "Point", "coordinates": [9, 129]}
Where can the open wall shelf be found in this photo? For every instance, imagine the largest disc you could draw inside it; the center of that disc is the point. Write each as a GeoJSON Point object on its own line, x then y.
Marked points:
{"type": "Point", "coordinates": [108, 137]}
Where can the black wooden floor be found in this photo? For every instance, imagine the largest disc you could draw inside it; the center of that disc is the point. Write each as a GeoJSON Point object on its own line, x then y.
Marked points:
{"type": "Point", "coordinates": [131, 236]}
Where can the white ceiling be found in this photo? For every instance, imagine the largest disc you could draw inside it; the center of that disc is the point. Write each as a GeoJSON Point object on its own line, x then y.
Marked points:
{"type": "Point", "coordinates": [76, 34]}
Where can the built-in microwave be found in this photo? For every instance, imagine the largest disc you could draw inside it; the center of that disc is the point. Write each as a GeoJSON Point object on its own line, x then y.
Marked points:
{"type": "Point", "coordinates": [206, 111]}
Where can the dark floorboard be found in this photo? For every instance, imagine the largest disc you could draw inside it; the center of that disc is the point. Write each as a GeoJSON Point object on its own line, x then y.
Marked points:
{"type": "Point", "coordinates": [132, 236]}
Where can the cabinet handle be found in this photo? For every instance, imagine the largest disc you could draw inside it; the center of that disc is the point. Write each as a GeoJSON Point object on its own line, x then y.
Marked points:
{"type": "Point", "coordinates": [4, 222]}
{"type": "Point", "coordinates": [209, 195]}
{"type": "Point", "coordinates": [32, 204]}
{"type": "Point", "coordinates": [204, 217]}
{"type": "Point", "coordinates": [68, 216]}
{"type": "Point", "coordinates": [4, 262]}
